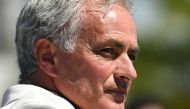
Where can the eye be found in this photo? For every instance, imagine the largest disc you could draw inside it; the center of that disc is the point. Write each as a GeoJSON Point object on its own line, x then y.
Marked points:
{"type": "Point", "coordinates": [108, 52]}
{"type": "Point", "coordinates": [133, 53]}
{"type": "Point", "coordinates": [132, 57]}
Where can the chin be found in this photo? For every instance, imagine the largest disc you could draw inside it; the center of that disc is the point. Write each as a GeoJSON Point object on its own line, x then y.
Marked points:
{"type": "Point", "coordinates": [112, 106]}
{"type": "Point", "coordinates": [108, 103]}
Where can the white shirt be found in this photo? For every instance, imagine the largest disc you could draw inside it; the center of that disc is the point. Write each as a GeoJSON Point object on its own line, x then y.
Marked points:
{"type": "Point", "coordinates": [32, 97]}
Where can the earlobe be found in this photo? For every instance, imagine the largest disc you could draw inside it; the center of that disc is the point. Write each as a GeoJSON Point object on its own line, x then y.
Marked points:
{"type": "Point", "coordinates": [45, 52]}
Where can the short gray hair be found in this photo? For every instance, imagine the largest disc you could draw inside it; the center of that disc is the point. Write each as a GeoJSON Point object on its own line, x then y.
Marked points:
{"type": "Point", "coordinates": [57, 20]}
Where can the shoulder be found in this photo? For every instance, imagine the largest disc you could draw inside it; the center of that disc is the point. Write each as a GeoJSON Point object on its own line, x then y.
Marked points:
{"type": "Point", "coordinates": [33, 97]}
{"type": "Point", "coordinates": [26, 104]}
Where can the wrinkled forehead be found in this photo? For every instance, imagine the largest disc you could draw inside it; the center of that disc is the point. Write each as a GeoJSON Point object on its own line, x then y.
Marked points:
{"type": "Point", "coordinates": [97, 22]}
{"type": "Point", "coordinates": [121, 17]}
{"type": "Point", "coordinates": [105, 5]}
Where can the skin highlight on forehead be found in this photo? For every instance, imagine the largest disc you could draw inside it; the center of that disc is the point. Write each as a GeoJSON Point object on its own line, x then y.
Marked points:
{"type": "Point", "coordinates": [96, 22]}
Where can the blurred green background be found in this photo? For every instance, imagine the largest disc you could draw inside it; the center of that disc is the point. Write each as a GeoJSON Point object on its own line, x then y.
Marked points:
{"type": "Point", "coordinates": [163, 64]}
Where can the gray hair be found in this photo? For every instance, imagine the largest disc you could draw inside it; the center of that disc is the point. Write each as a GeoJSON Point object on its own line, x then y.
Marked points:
{"type": "Point", "coordinates": [56, 20]}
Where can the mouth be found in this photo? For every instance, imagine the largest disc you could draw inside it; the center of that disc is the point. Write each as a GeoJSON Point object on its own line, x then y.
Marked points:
{"type": "Point", "coordinates": [119, 95]}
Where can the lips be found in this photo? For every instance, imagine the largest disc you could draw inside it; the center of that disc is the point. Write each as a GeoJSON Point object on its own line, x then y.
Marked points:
{"type": "Point", "coordinates": [119, 95]}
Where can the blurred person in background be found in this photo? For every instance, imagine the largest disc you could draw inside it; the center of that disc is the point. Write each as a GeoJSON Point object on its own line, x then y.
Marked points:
{"type": "Point", "coordinates": [75, 54]}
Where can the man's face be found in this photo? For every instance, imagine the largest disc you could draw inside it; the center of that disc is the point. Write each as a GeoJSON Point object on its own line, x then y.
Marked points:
{"type": "Point", "coordinates": [99, 73]}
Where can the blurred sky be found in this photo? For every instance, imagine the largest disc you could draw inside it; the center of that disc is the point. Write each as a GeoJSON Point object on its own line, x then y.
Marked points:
{"type": "Point", "coordinates": [163, 31]}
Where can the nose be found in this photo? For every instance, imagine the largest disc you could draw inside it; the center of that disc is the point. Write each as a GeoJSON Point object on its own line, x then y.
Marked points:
{"type": "Point", "coordinates": [125, 68]}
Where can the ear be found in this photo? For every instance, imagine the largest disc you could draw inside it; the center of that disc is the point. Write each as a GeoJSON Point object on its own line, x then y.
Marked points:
{"type": "Point", "coordinates": [45, 52]}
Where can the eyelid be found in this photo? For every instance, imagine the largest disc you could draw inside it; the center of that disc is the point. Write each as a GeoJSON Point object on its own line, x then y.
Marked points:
{"type": "Point", "coordinates": [108, 52]}
{"type": "Point", "coordinates": [106, 49]}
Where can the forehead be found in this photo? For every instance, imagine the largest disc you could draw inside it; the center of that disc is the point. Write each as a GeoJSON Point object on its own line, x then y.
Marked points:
{"type": "Point", "coordinates": [116, 21]}
{"type": "Point", "coordinates": [120, 18]}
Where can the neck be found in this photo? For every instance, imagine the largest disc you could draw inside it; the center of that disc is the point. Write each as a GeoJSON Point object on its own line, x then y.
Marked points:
{"type": "Point", "coordinates": [43, 80]}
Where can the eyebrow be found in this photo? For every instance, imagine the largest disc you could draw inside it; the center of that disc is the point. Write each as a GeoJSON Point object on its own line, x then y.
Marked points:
{"type": "Point", "coordinates": [118, 44]}
{"type": "Point", "coordinates": [135, 50]}
{"type": "Point", "coordinates": [112, 41]}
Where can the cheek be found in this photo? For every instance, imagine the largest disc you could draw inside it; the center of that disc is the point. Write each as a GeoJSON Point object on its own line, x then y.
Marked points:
{"type": "Point", "coordinates": [69, 69]}
{"type": "Point", "coordinates": [90, 71]}
{"type": "Point", "coordinates": [101, 71]}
